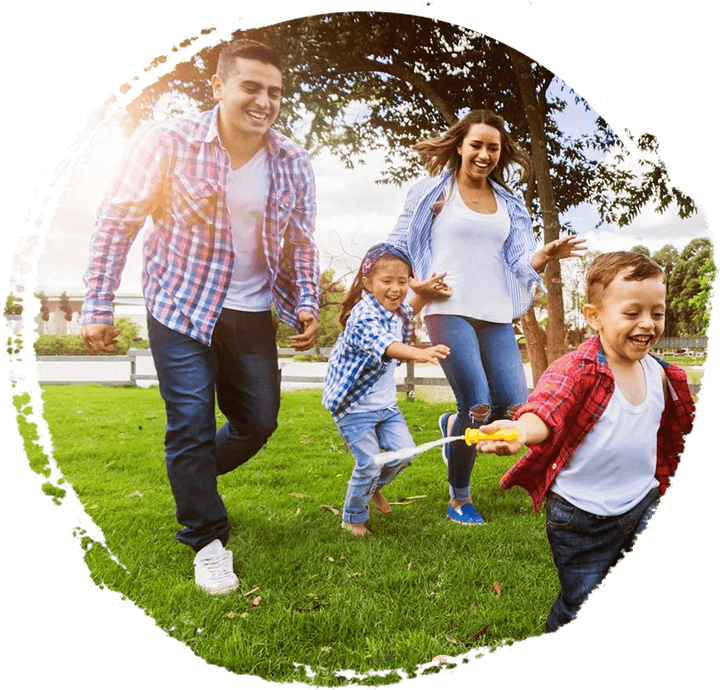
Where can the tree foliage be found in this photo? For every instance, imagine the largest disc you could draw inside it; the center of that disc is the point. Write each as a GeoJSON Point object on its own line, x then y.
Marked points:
{"type": "Point", "coordinates": [355, 82]}
{"type": "Point", "coordinates": [361, 81]}
{"type": "Point", "coordinates": [689, 287]}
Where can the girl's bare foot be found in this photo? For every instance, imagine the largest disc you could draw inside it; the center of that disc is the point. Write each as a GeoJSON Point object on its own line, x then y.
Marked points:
{"type": "Point", "coordinates": [380, 502]}
{"type": "Point", "coordinates": [358, 529]}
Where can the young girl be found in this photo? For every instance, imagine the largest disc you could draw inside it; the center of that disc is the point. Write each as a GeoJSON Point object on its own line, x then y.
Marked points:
{"type": "Point", "coordinates": [359, 388]}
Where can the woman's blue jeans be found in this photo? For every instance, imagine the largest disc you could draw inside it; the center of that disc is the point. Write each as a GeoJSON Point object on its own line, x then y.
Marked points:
{"type": "Point", "coordinates": [585, 546]}
{"type": "Point", "coordinates": [240, 366]}
{"type": "Point", "coordinates": [486, 375]}
{"type": "Point", "coordinates": [366, 434]}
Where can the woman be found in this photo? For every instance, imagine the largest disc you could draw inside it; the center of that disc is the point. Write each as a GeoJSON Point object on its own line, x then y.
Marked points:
{"type": "Point", "coordinates": [466, 222]}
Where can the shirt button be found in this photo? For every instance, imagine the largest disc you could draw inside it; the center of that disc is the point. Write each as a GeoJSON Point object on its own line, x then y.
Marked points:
{"type": "Point", "coordinates": [554, 465]}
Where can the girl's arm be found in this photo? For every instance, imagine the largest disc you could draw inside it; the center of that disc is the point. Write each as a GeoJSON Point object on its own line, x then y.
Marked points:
{"type": "Point", "coordinates": [398, 350]}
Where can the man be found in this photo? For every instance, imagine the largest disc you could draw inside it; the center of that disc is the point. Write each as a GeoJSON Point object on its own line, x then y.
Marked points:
{"type": "Point", "coordinates": [233, 205]}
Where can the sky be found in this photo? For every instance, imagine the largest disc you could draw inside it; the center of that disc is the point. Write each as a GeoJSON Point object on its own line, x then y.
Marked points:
{"type": "Point", "coordinates": [353, 214]}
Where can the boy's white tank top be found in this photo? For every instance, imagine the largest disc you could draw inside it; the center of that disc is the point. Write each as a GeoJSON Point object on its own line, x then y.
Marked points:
{"type": "Point", "coordinates": [614, 466]}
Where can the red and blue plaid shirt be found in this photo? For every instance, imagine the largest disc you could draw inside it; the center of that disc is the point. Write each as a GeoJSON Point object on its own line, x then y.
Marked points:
{"type": "Point", "coordinates": [570, 397]}
{"type": "Point", "coordinates": [176, 171]}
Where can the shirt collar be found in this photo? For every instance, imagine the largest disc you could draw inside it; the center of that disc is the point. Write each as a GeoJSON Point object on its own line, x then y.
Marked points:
{"type": "Point", "coordinates": [385, 313]}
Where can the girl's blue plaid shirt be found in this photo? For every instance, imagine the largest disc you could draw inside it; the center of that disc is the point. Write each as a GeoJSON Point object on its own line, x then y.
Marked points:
{"type": "Point", "coordinates": [358, 358]}
{"type": "Point", "coordinates": [176, 171]}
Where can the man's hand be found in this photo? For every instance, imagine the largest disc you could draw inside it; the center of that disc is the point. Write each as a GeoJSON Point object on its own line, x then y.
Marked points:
{"type": "Point", "coordinates": [306, 339]}
{"type": "Point", "coordinates": [99, 337]}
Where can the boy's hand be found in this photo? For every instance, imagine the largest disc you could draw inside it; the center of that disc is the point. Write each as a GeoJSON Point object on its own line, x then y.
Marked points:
{"type": "Point", "coordinates": [430, 355]}
{"type": "Point", "coordinates": [502, 447]}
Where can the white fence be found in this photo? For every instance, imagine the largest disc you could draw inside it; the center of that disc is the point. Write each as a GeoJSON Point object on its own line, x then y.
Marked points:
{"type": "Point", "coordinates": [137, 369]}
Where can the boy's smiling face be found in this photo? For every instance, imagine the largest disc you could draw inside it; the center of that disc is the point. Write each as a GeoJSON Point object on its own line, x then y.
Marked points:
{"type": "Point", "coordinates": [630, 317]}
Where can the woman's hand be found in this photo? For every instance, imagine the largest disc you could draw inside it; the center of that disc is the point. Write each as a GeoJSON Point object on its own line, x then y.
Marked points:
{"type": "Point", "coordinates": [431, 288]}
{"type": "Point", "coordinates": [565, 247]}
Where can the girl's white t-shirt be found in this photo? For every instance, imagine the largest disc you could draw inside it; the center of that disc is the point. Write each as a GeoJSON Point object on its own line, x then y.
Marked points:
{"type": "Point", "coordinates": [468, 245]}
{"type": "Point", "coordinates": [246, 193]}
{"type": "Point", "coordinates": [614, 466]}
{"type": "Point", "coordinates": [383, 393]}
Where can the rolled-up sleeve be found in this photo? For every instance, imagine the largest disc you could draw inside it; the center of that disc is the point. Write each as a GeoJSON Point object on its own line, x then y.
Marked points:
{"type": "Point", "coordinates": [131, 197]}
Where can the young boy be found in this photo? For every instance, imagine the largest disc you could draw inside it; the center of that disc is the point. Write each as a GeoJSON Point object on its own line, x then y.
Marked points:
{"type": "Point", "coordinates": [604, 427]}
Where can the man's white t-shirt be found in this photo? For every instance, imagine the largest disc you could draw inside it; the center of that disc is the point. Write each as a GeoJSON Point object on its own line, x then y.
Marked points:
{"type": "Point", "coordinates": [246, 193]}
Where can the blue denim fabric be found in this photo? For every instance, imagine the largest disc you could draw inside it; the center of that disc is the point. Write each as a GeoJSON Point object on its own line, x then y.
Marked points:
{"type": "Point", "coordinates": [366, 434]}
{"type": "Point", "coordinates": [240, 367]}
{"type": "Point", "coordinates": [484, 368]}
{"type": "Point", "coordinates": [586, 546]}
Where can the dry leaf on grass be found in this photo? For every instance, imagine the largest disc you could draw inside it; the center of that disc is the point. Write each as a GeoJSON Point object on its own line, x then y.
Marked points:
{"type": "Point", "coordinates": [452, 640]}
{"type": "Point", "coordinates": [252, 591]}
{"type": "Point", "coordinates": [297, 494]}
{"type": "Point", "coordinates": [496, 587]}
{"type": "Point", "coordinates": [256, 601]}
{"type": "Point", "coordinates": [477, 635]}
{"type": "Point", "coordinates": [334, 511]}
{"type": "Point", "coordinates": [404, 500]}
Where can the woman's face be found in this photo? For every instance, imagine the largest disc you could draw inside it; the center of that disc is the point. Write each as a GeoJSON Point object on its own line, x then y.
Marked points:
{"type": "Point", "coordinates": [480, 153]}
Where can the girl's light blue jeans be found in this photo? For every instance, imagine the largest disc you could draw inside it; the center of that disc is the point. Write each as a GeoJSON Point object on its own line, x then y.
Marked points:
{"type": "Point", "coordinates": [485, 371]}
{"type": "Point", "coordinates": [366, 434]}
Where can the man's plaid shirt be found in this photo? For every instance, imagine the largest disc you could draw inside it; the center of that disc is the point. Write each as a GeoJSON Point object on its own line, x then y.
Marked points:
{"type": "Point", "coordinates": [358, 358]}
{"type": "Point", "coordinates": [176, 171]}
{"type": "Point", "coordinates": [570, 397]}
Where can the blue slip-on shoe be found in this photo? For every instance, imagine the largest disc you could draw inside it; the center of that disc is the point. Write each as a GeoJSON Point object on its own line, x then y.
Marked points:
{"type": "Point", "coordinates": [442, 423]}
{"type": "Point", "coordinates": [465, 514]}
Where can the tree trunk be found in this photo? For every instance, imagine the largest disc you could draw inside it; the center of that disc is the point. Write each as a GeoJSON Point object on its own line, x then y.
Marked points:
{"type": "Point", "coordinates": [555, 331]}
{"type": "Point", "coordinates": [535, 342]}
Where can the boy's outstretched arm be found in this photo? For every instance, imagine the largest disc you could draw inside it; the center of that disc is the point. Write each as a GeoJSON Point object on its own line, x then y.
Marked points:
{"type": "Point", "coordinates": [531, 430]}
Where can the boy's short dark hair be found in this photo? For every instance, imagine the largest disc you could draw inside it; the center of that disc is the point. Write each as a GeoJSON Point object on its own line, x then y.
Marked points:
{"type": "Point", "coordinates": [605, 267]}
{"type": "Point", "coordinates": [244, 48]}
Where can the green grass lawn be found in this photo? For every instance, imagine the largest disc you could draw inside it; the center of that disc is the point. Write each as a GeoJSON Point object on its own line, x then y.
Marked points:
{"type": "Point", "coordinates": [311, 595]}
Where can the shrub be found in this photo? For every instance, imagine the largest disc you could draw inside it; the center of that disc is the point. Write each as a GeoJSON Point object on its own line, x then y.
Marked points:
{"type": "Point", "coordinates": [68, 345]}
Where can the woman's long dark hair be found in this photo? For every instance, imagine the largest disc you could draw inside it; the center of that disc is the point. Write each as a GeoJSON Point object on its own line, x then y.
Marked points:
{"type": "Point", "coordinates": [441, 152]}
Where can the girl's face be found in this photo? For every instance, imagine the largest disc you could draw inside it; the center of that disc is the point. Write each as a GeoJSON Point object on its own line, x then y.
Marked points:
{"type": "Point", "coordinates": [388, 282]}
{"type": "Point", "coordinates": [480, 153]}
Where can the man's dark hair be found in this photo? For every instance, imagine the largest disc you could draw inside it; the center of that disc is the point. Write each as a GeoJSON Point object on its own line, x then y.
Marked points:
{"type": "Point", "coordinates": [244, 48]}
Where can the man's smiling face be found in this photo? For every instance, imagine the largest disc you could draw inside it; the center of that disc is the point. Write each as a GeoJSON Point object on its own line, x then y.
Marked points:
{"type": "Point", "coordinates": [249, 98]}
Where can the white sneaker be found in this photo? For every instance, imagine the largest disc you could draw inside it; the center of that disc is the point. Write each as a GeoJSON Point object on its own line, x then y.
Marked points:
{"type": "Point", "coordinates": [214, 569]}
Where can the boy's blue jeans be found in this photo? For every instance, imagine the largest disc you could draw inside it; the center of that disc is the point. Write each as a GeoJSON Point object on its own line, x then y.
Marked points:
{"type": "Point", "coordinates": [586, 546]}
{"type": "Point", "coordinates": [366, 434]}
{"type": "Point", "coordinates": [241, 367]}
{"type": "Point", "coordinates": [484, 368]}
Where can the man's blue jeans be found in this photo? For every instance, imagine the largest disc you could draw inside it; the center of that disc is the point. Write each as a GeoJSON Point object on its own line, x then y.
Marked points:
{"type": "Point", "coordinates": [485, 372]}
{"type": "Point", "coordinates": [586, 546]}
{"type": "Point", "coordinates": [240, 367]}
{"type": "Point", "coordinates": [366, 434]}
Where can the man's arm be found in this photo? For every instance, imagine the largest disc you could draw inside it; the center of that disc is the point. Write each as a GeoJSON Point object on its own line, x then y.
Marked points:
{"type": "Point", "coordinates": [305, 257]}
{"type": "Point", "coordinates": [132, 194]}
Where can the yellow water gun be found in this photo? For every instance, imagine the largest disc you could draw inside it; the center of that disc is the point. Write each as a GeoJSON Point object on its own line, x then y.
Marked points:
{"type": "Point", "coordinates": [474, 436]}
